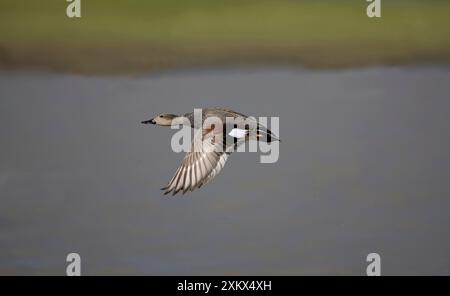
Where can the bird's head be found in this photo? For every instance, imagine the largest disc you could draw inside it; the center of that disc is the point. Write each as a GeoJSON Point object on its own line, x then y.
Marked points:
{"type": "Point", "coordinates": [163, 119]}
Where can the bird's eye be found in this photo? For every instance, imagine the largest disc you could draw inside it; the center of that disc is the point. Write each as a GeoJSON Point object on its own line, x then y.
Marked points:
{"type": "Point", "coordinates": [161, 116]}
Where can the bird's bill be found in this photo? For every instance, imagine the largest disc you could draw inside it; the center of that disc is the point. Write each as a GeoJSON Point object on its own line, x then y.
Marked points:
{"type": "Point", "coordinates": [150, 121]}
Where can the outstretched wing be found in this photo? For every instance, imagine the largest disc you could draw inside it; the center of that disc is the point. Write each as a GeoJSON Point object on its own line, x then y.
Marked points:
{"type": "Point", "coordinates": [201, 166]}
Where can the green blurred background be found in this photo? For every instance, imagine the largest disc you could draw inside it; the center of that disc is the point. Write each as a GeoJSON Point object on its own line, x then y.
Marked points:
{"type": "Point", "coordinates": [144, 36]}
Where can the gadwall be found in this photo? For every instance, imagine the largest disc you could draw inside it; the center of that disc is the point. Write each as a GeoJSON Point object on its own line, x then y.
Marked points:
{"type": "Point", "coordinates": [199, 167]}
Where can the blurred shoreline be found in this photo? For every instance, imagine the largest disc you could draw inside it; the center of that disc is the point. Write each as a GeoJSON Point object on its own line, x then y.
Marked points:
{"type": "Point", "coordinates": [119, 59]}
{"type": "Point", "coordinates": [134, 36]}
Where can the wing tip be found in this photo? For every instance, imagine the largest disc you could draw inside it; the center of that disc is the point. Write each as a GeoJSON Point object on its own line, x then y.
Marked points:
{"type": "Point", "coordinates": [166, 191]}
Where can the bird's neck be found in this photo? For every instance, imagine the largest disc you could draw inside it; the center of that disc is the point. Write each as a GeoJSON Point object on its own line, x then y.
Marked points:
{"type": "Point", "coordinates": [183, 120]}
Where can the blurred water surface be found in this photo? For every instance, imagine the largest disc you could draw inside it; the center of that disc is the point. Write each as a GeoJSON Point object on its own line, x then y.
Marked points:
{"type": "Point", "coordinates": [364, 167]}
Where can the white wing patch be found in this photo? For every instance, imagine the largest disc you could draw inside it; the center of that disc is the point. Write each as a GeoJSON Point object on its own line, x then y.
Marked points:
{"type": "Point", "coordinates": [238, 133]}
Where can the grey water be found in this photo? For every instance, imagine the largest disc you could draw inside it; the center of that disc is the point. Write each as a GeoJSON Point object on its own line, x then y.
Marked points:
{"type": "Point", "coordinates": [364, 167]}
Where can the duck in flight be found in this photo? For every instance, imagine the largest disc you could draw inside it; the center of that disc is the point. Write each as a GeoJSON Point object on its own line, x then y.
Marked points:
{"type": "Point", "coordinates": [201, 165]}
